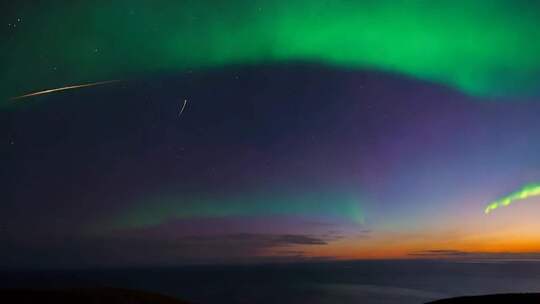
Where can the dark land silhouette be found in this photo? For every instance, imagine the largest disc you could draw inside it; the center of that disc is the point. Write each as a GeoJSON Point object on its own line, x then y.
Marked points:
{"type": "Point", "coordinates": [518, 298]}
{"type": "Point", "coordinates": [84, 296]}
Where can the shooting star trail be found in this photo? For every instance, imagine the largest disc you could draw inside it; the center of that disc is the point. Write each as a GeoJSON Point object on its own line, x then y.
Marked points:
{"type": "Point", "coordinates": [49, 91]}
{"type": "Point", "coordinates": [182, 109]}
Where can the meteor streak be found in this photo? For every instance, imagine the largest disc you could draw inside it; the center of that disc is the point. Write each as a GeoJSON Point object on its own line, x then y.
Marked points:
{"type": "Point", "coordinates": [182, 109]}
{"type": "Point", "coordinates": [524, 193]}
{"type": "Point", "coordinates": [78, 86]}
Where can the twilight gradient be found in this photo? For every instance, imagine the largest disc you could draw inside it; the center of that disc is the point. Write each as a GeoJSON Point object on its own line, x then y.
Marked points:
{"type": "Point", "coordinates": [311, 130]}
{"type": "Point", "coordinates": [268, 162]}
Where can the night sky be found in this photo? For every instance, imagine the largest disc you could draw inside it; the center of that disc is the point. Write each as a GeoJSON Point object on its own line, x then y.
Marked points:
{"type": "Point", "coordinates": [252, 131]}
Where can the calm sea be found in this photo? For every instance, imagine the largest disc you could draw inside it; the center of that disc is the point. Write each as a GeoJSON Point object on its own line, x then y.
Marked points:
{"type": "Point", "coordinates": [333, 282]}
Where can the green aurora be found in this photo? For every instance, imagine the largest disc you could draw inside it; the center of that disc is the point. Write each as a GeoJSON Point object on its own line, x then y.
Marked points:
{"type": "Point", "coordinates": [484, 48]}
{"type": "Point", "coordinates": [523, 193]}
{"type": "Point", "coordinates": [161, 209]}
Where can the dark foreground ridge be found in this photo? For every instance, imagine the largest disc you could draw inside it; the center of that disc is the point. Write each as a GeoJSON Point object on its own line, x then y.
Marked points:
{"type": "Point", "coordinates": [84, 296]}
{"type": "Point", "coordinates": [518, 298]}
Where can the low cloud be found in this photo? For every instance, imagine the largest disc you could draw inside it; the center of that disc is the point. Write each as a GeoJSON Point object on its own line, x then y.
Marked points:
{"type": "Point", "coordinates": [257, 241]}
{"type": "Point", "coordinates": [476, 256]}
{"type": "Point", "coordinates": [439, 253]}
{"type": "Point", "coordinates": [136, 250]}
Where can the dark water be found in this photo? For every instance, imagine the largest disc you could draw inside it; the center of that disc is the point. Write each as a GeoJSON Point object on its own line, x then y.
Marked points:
{"type": "Point", "coordinates": [337, 282]}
